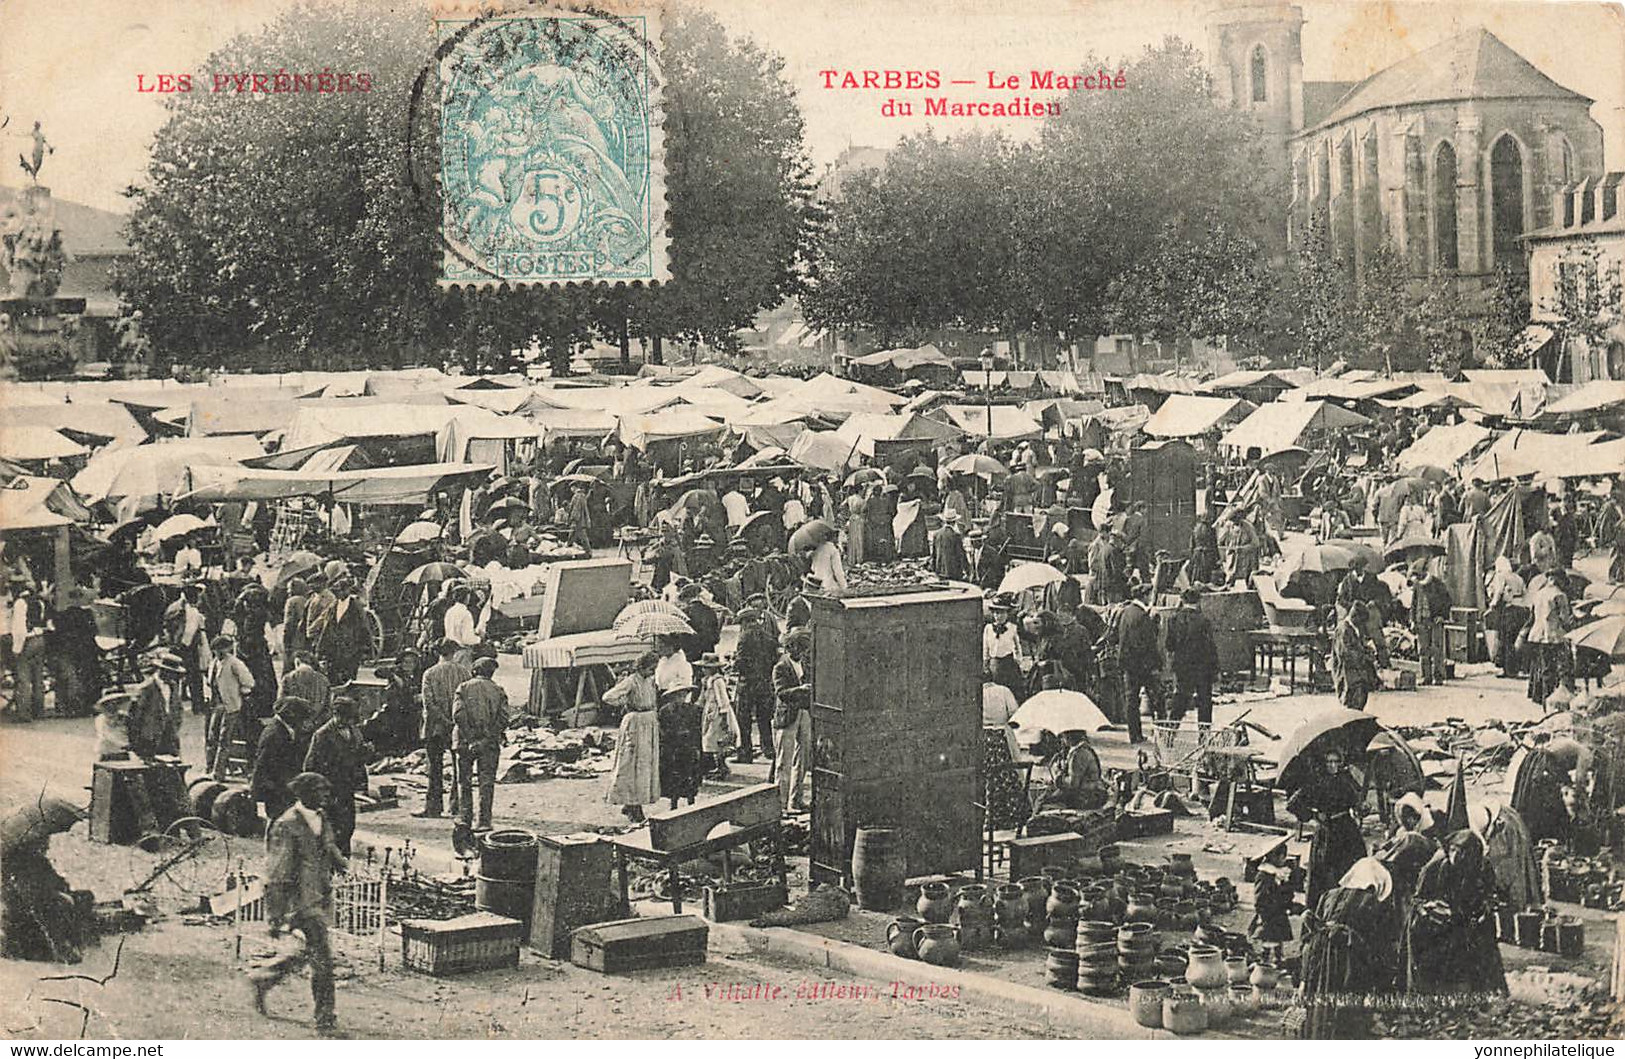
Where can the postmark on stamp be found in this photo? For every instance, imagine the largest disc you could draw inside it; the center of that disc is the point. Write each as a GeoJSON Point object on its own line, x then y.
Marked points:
{"type": "Point", "coordinates": [552, 150]}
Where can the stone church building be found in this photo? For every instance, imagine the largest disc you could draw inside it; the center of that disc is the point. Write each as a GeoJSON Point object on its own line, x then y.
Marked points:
{"type": "Point", "coordinates": [1450, 155]}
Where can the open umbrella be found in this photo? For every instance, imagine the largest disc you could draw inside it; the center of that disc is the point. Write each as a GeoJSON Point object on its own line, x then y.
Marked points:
{"type": "Point", "coordinates": [573, 479]}
{"type": "Point", "coordinates": [863, 476]}
{"type": "Point", "coordinates": [179, 526]}
{"type": "Point", "coordinates": [649, 606]}
{"type": "Point", "coordinates": [505, 505]}
{"type": "Point", "coordinates": [976, 463]}
{"type": "Point", "coordinates": [650, 624]}
{"type": "Point", "coordinates": [810, 535]}
{"type": "Point", "coordinates": [1431, 473]}
{"type": "Point", "coordinates": [1605, 634]}
{"type": "Point", "coordinates": [1350, 731]}
{"type": "Point", "coordinates": [1060, 711]}
{"type": "Point", "coordinates": [1023, 576]}
{"type": "Point", "coordinates": [1318, 559]}
{"type": "Point", "coordinates": [434, 573]}
{"type": "Point", "coordinates": [1373, 557]}
{"type": "Point", "coordinates": [1093, 456]}
{"type": "Point", "coordinates": [418, 532]}
{"type": "Point", "coordinates": [1289, 456]}
{"type": "Point", "coordinates": [1604, 590]}
{"type": "Point", "coordinates": [1412, 546]}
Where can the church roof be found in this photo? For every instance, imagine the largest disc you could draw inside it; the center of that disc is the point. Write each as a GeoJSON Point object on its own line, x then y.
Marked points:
{"type": "Point", "coordinates": [1319, 97]}
{"type": "Point", "coordinates": [1471, 65]}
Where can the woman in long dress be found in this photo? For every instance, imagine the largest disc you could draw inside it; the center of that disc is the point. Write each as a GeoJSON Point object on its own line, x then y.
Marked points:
{"type": "Point", "coordinates": [682, 765]}
{"type": "Point", "coordinates": [1450, 943]}
{"type": "Point", "coordinates": [857, 529]}
{"type": "Point", "coordinates": [635, 780]}
{"type": "Point", "coordinates": [1350, 949]}
{"type": "Point", "coordinates": [1331, 798]}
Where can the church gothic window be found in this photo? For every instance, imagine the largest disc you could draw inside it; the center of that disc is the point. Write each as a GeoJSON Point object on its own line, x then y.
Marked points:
{"type": "Point", "coordinates": [1260, 76]}
{"type": "Point", "coordinates": [1506, 201]}
{"type": "Point", "coordinates": [1444, 208]}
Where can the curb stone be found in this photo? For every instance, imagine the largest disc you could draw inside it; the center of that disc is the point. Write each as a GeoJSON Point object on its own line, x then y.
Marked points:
{"type": "Point", "coordinates": [1065, 1014]}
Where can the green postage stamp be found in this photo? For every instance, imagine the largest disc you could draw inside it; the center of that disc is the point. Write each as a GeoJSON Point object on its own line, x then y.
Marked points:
{"type": "Point", "coordinates": [552, 161]}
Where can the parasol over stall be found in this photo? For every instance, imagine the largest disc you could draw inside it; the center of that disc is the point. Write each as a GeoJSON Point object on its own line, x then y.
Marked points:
{"type": "Point", "coordinates": [863, 476]}
{"type": "Point", "coordinates": [648, 606]}
{"type": "Point", "coordinates": [1606, 635]}
{"type": "Point", "coordinates": [1412, 546]}
{"type": "Point", "coordinates": [1023, 576]}
{"type": "Point", "coordinates": [1059, 711]}
{"type": "Point", "coordinates": [1324, 558]}
{"type": "Point", "coordinates": [435, 573]}
{"type": "Point", "coordinates": [1349, 731]}
{"type": "Point", "coordinates": [810, 535]}
{"type": "Point", "coordinates": [506, 504]}
{"type": "Point", "coordinates": [179, 526]}
{"type": "Point", "coordinates": [648, 625]}
{"type": "Point", "coordinates": [976, 463]}
{"type": "Point", "coordinates": [418, 532]}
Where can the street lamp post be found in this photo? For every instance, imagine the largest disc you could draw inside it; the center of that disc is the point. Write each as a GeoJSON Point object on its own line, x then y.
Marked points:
{"type": "Point", "coordinates": [987, 390]}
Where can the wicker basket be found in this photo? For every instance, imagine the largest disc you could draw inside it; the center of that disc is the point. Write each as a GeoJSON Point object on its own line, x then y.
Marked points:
{"type": "Point", "coordinates": [478, 942]}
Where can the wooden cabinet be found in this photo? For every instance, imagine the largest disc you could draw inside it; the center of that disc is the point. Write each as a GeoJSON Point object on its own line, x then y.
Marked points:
{"type": "Point", "coordinates": [897, 727]}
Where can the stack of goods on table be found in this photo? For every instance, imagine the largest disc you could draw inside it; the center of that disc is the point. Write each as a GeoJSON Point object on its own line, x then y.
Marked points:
{"type": "Point", "coordinates": [531, 754]}
{"type": "Point", "coordinates": [882, 579]}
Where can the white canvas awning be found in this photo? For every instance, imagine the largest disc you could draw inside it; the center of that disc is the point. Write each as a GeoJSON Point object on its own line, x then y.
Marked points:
{"type": "Point", "coordinates": [413, 484]}
{"type": "Point", "coordinates": [1187, 415]}
{"type": "Point", "coordinates": [1279, 425]}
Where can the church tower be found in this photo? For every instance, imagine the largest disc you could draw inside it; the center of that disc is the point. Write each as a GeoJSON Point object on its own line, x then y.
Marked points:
{"type": "Point", "coordinates": [1255, 52]}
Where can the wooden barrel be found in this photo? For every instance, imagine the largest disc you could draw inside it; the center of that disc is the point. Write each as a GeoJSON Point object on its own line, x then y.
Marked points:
{"type": "Point", "coordinates": [204, 793]}
{"type": "Point", "coordinates": [879, 868]}
{"type": "Point", "coordinates": [506, 880]}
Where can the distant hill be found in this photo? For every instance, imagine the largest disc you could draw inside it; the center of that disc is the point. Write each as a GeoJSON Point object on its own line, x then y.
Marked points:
{"type": "Point", "coordinates": [85, 229]}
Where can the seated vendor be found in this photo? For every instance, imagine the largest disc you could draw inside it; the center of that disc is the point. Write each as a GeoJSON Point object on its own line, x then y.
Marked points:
{"type": "Point", "coordinates": [1079, 782]}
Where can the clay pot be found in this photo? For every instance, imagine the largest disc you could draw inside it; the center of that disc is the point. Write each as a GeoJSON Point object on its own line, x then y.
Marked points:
{"type": "Point", "coordinates": [1035, 888]}
{"type": "Point", "coordinates": [1110, 856]}
{"type": "Point", "coordinates": [1009, 909]}
{"type": "Point", "coordinates": [1061, 933]}
{"type": "Point", "coordinates": [1165, 917]}
{"type": "Point", "coordinates": [1206, 968]}
{"type": "Point", "coordinates": [1056, 873]}
{"type": "Point", "coordinates": [1264, 976]}
{"type": "Point", "coordinates": [937, 944]}
{"type": "Point", "coordinates": [900, 936]}
{"type": "Point", "coordinates": [1142, 905]}
{"type": "Point", "coordinates": [973, 915]}
{"type": "Point", "coordinates": [1134, 934]}
{"type": "Point", "coordinates": [1236, 970]}
{"type": "Point", "coordinates": [1145, 1002]}
{"type": "Point", "coordinates": [936, 902]}
{"type": "Point", "coordinates": [1096, 931]}
{"type": "Point", "coordinates": [1185, 915]}
{"type": "Point", "coordinates": [1183, 1013]}
{"type": "Point", "coordinates": [1180, 864]}
{"type": "Point", "coordinates": [1061, 969]}
{"type": "Point", "coordinates": [1063, 901]}
{"type": "Point", "coordinates": [1241, 1000]}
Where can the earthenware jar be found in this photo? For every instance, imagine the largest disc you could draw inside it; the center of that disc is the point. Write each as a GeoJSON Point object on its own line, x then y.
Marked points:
{"type": "Point", "coordinates": [900, 936]}
{"type": "Point", "coordinates": [973, 915]}
{"type": "Point", "coordinates": [936, 902]}
{"type": "Point", "coordinates": [1236, 970]}
{"type": "Point", "coordinates": [1241, 1000]}
{"type": "Point", "coordinates": [1010, 912]}
{"type": "Point", "coordinates": [1183, 1013]}
{"type": "Point", "coordinates": [1217, 1003]}
{"type": "Point", "coordinates": [1035, 888]}
{"type": "Point", "coordinates": [1145, 1002]}
{"type": "Point", "coordinates": [937, 944]}
{"type": "Point", "coordinates": [1061, 933]}
{"type": "Point", "coordinates": [1180, 864]}
{"type": "Point", "coordinates": [1061, 969]}
{"type": "Point", "coordinates": [1142, 905]}
{"type": "Point", "coordinates": [1063, 901]}
{"type": "Point", "coordinates": [1206, 968]}
{"type": "Point", "coordinates": [1264, 976]}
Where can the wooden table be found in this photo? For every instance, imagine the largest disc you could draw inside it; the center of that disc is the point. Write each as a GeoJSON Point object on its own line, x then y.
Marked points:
{"type": "Point", "coordinates": [582, 660]}
{"type": "Point", "coordinates": [636, 847]}
{"type": "Point", "coordinates": [1286, 644]}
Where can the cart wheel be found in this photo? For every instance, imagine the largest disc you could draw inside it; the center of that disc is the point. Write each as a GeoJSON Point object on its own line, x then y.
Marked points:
{"type": "Point", "coordinates": [375, 630]}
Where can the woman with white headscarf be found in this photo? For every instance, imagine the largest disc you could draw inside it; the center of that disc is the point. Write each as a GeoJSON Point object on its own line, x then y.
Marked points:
{"type": "Point", "coordinates": [1508, 612]}
{"type": "Point", "coordinates": [1450, 943]}
{"type": "Point", "coordinates": [1350, 951]}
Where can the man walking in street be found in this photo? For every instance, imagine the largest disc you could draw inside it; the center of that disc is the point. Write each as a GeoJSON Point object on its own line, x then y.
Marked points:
{"type": "Point", "coordinates": [440, 684]}
{"type": "Point", "coordinates": [1430, 608]}
{"type": "Point", "coordinates": [479, 716]}
{"type": "Point", "coordinates": [1141, 660]}
{"type": "Point", "coordinates": [306, 682]}
{"type": "Point", "coordinates": [231, 681]}
{"type": "Point", "coordinates": [339, 754]}
{"type": "Point", "coordinates": [754, 658]}
{"type": "Point", "coordinates": [279, 757]}
{"type": "Point", "coordinates": [299, 895]}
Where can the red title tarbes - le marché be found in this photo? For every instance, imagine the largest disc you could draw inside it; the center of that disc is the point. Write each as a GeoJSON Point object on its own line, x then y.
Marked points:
{"type": "Point", "coordinates": [916, 80]}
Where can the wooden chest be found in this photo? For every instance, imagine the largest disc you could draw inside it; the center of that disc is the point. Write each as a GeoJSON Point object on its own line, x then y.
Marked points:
{"type": "Point", "coordinates": [1030, 856]}
{"type": "Point", "coordinates": [897, 728]}
{"type": "Point", "coordinates": [573, 889]}
{"type": "Point", "coordinates": [639, 944]}
{"type": "Point", "coordinates": [482, 941]}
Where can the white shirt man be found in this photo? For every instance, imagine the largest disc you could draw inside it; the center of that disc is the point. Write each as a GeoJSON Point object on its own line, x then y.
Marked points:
{"type": "Point", "coordinates": [998, 644]}
{"type": "Point", "coordinates": [737, 507]}
{"type": "Point", "coordinates": [828, 568]}
{"type": "Point", "coordinates": [459, 625]}
{"type": "Point", "coordinates": [188, 558]}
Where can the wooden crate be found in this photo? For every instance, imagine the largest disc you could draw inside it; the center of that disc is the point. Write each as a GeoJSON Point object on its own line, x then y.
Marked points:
{"type": "Point", "coordinates": [640, 944]}
{"type": "Point", "coordinates": [897, 728]}
{"type": "Point", "coordinates": [573, 889]}
{"type": "Point", "coordinates": [1030, 856]}
{"type": "Point", "coordinates": [724, 904]}
{"type": "Point", "coordinates": [482, 941]}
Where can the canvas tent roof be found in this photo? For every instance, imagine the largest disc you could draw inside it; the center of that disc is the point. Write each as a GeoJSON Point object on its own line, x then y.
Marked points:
{"type": "Point", "coordinates": [823, 450]}
{"type": "Point", "coordinates": [31, 502]}
{"type": "Point", "coordinates": [412, 484]}
{"type": "Point", "coordinates": [36, 443]}
{"type": "Point", "coordinates": [99, 418]}
{"type": "Point", "coordinates": [452, 441]}
{"type": "Point", "coordinates": [1185, 415]}
{"type": "Point", "coordinates": [1531, 452]}
{"type": "Point", "coordinates": [672, 424]}
{"type": "Point", "coordinates": [323, 424]}
{"type": "Point", "coordinates": [904, 359]}
{"type": "Point", "coordinates": [1443, 446]}
{"type": "Point", "coordinates": [1281, 424]}
{"type": "Point", "coordinates": [1595, 396]}
{"type": "Point", "coordinates": [866, 428]}
{"type": "Point", "coordinates": [1008, 420]}
{"type": "Point", "coordinates": [158, 468]}
{"type": "Point", "coordinates": [573, 423]}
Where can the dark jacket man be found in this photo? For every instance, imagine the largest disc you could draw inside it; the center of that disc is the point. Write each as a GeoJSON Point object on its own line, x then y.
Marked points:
{"type": "Point", "coordinates": [279, 758]}
{"type": "Point", "coordinates": [948, 549]}
{"type": "Point", "coordinates": [338, 753]}
{"type": "Point", "coordinates": [1194, 658]}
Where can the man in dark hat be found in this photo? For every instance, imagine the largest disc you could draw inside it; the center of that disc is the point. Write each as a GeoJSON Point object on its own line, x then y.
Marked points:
{"type": "Point", "coordinates": [345, 638]}
{"type": "Point", "coordinates": [1141, 661]}
{"type": "Point", "coordinates": [754, 657]}
{"type": "Point", "coordinates": [440, 683]}
{"type": "Point", "coordinates": [1360, 585]}
{"type": "Point", "coordinates": [302, 858]}
{"type": "Point", "coordinates": [792, 685]}
{"type": "Point", "coordinates": [798, 612]}
{"type": "Point", "coordinates": [338, 753]}
{"type": "Point", "coordinates": [185, 624]}
{"type": "Point", "coordinates": [155, 705]}
{"type": "Point", "coordinates": [948, 549]}
{"type": "Point", "coordinates": [479, 729]}
{"type": "Point", "coordinates": [280, 755]}
{"type": "Point", "coordinates": [1193, 656]}
{"type": "Point", "coordinates": [303, 680]}
{"type": "Point", "coordinates": [702, 619]}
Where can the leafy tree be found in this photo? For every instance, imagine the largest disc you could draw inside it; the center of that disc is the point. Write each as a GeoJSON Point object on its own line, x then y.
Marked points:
{"type": "Point", "coordinates": [1586, 305]}
{"type": "Point", "coordinates": [1218, 285]}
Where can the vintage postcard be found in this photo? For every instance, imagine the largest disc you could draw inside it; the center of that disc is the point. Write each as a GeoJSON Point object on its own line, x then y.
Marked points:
{"type": "Point", "coordinates": [724, 520]}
